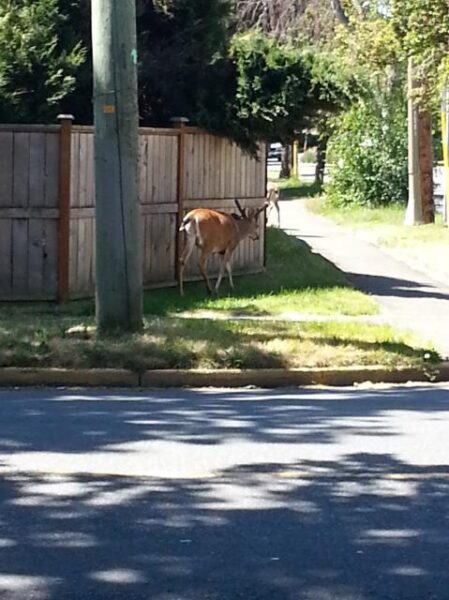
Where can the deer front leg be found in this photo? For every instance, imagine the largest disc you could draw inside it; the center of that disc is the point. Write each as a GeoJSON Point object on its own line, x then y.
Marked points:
{"type": "Point", "coordinates": [221, 272]}
{"type": "Point", "coordinates": [225, 263]}
{"type": "Point", "coordinates": [229, 269]}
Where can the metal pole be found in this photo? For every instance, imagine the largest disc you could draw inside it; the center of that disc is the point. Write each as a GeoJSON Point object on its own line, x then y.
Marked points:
{"type": "Point", "coordinates": [118, 232]}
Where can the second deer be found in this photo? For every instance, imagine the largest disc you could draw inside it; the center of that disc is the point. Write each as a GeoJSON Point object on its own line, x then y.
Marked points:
{"type": "Point", "coordinates": [273, 203]}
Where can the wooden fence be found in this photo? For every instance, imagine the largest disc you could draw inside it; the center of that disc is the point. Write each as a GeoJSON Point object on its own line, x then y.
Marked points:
{"type": "Point", "coordinates": [47, 204]}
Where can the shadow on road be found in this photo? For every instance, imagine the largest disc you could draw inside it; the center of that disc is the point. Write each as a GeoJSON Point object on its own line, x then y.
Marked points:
{"type": "Point", "coordinates": [361, 525]}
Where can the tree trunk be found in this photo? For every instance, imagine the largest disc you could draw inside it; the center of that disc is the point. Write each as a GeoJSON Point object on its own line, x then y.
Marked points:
{"type": "Point", "coordinates": [320, 162]}
{"type": "Point", "coordinates": [286, 162]}
{"type": "Point", "coordinates": [339, 12]}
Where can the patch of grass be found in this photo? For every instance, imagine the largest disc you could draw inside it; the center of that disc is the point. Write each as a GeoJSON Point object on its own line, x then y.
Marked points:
{"type": "Point", "coordinates": [296, 188]}
{"type": "Point", "coordinates": [295, 280]}
{"type": "Point", "coordinates": [358, 216]}
{"type": "Point", "coordinates": [386, 223]}
{"type": "Point", "coordinates": [204, 343]}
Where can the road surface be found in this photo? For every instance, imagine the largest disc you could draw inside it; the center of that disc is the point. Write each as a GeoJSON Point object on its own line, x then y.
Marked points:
{"type": "Point", "coordinates": [309, 494]}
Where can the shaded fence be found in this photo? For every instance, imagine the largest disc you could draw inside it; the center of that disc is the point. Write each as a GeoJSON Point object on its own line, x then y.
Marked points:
{"type": "Point", "coordinates": [47, 204]}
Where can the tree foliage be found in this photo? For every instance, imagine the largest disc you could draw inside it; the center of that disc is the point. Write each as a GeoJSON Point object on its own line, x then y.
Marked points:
{"type": "Point", "coordinates": [369, 151]}
{"type": "Point", "coordinates": [37, 66]}
{"type": "Point", "coordinates": [181, 46]}
{"type": "Point", "coordinates": [422, 28]}
{"type": "Point", "coordinates": [272, 92]}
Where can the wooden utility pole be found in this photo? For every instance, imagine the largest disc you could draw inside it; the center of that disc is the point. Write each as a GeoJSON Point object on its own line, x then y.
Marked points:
{"type": "Point", "coordinates": [420, 208]}
{"type": "Point", "coordinates": [413, 215]}
{"type": "Point", "coordinates": [118, 232]}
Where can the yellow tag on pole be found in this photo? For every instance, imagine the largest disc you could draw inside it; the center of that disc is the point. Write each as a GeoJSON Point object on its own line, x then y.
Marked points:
{"type": "Point", "coordinates": [109, 109]}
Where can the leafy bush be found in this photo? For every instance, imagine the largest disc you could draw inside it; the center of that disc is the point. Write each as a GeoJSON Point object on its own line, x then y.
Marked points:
{"type": "Point", "coordinates": [309, 156]}
{"type": "Point", "coordinates": [369, 150]}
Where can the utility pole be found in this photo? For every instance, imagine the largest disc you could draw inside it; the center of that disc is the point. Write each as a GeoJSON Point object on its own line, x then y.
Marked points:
{"type": "Point", "coordinates": [118, 232]}
{"type": "Point", "coordinates": [413, 215]}
{"type": "Point", "coordinates": [420, 208]}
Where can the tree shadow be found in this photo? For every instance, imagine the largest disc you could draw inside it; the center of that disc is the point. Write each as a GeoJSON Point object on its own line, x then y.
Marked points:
{"type": "Point", "coordinates": [381, 285]}
{"type": "Point", "coordinates": [303, 514]}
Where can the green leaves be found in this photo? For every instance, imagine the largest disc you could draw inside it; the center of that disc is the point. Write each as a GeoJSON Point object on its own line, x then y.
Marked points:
{"type": "Point", "coordinates": [369, 152]}
{"type": "Point", "coordinates": [37, 70]}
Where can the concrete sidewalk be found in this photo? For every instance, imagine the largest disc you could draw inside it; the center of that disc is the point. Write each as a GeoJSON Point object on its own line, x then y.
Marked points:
{"type": "Point", "coordinates": [409, 299]}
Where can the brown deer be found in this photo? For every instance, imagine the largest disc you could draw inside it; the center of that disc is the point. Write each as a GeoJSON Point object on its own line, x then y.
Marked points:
{"type": "Point", "coordinates": [273, 202]}
{"type": "Point", "coordinates": [216, 232]}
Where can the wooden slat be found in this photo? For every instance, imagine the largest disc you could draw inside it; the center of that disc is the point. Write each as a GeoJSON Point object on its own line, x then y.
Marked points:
{"type": "Point", "coordinates": [143, 167]}
{"type": "Point", "coordinates": [83, 158]}
{"type": "Point", "coordinates": [188, 170]}
{"type": "Point", "coordinates": [21, 169]}
{"type": "Point", "coordinates": [37, 169]}
{"type": "Point", "coordinates": [150, 171]}
{"type": "Point", "coordinates": [90, 174]}
{"type": "Point", "coordinates": [20, 243]}
{"type": "Point", "coordinates": [81, 262]}
{"type": "Point", "coordinates": [51, 170]}
{"type": "Point", "coordinates": [75, 171]}
{"type": "Point", "coordinates": [50, 263]}
{"type": "Point", "coordinates": [5, 256]}
{"type": "Point", "coordinates": [65, 166]}
{"type": "Point", "coordinates": [73, 254]}
{"type": "Point", "coordinates": [37, 248]}
{"type": "Point", "coordinates": [90, 241]}
{"type": "Point", "coordinates": [146, 249]}
{"type": "Point", "coordinates": [6, 168]}
{"type": "Point", "coordinates": [222, 168]}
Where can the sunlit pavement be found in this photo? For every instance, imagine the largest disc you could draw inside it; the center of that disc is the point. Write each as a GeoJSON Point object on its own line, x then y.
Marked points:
{"type": "Point", "coordinates": [225, 494]}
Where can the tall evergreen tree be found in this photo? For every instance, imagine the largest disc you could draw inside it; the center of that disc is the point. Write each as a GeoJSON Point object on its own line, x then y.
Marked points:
{"type": "Point", "coordinates": [37, 67]}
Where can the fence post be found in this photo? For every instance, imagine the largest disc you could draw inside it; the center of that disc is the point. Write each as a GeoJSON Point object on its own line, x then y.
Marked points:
{"type": "Point", "coordinates": [180, 123]}
{"type": "Point", "coordinates": [65, 144]}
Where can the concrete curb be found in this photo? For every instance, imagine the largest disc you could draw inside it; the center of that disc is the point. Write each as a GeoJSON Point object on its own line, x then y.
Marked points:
{"type": "Point", "coordinates": [18, 376]}
{"type": "Point", "coordinates": [268, 378]}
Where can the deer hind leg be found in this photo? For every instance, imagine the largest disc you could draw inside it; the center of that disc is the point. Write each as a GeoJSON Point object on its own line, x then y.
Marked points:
{"type": "Point", "coordinates": [203, 264]}
{"type": "Point", "coordinates": [229, 269]}
{"type": "Point", "coordinates": [188, 249]}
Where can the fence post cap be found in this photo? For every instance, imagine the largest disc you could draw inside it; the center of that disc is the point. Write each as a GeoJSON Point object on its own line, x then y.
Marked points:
{"type": "Point", "coordinates": [65, 118]}
{"type": "Point", "coordinates": [179, 122]}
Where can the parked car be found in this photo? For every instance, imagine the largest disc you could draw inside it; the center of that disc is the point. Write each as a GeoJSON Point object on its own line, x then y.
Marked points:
{"type": "Point", "coordinates": [274, 151]}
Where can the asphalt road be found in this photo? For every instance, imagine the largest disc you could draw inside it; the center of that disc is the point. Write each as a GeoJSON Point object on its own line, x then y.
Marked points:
{"type": "Point", "coordinates": [225, 495]}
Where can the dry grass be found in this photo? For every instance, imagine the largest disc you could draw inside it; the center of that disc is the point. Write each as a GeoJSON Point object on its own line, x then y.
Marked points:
{"type": "Point", "coordinates": [205, 343]}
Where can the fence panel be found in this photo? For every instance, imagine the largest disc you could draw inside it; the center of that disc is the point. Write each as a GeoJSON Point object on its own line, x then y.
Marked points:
{"type": "Point", "coordinates": [28, 212]}
{"type": "Point", "coordinates": [158, 159]}
{"type": "Point", "coordinates": [209, 172]}
{"type": "Point", "coordinates": [82, 214]}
